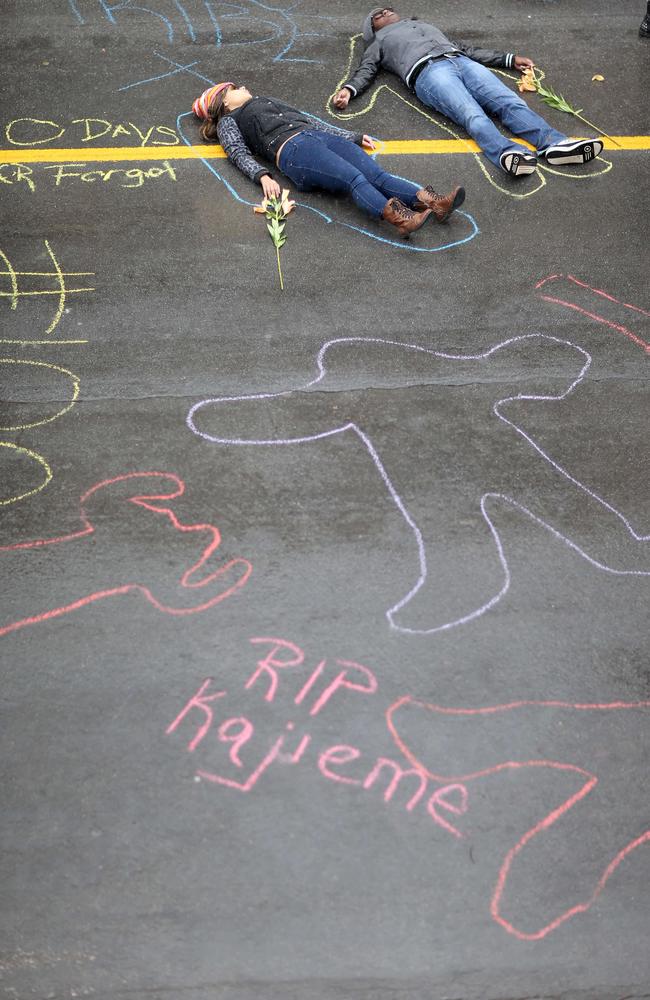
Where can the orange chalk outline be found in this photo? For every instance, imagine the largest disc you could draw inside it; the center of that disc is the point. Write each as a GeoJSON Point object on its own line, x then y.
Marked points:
{"type": "Point", "coordinates": [595, 316]}
{"type": "Point", "coordinates": [591, 780]}
{"type": "Point", "coordinates": [140, 500]}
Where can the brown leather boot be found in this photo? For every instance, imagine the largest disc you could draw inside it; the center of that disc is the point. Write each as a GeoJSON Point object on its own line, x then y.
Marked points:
{"type": "Point", "coordinates": [403, 218]}
{"type": "Point", "coordinates": [442, 205]}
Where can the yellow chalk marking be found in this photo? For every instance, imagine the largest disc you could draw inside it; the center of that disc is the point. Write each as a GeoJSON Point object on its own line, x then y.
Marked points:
{"type": "Point", "coordinates": [45, 274]}
{"type": "Point", "coordinates": [57, 274]}
{"type": "Point", "coordinates": [14, 280]}
{"type": "Point", "coordinates": [57, 342]}
{"type": "Point", "coordinates": [46, 291]}
{"type": "Point", "coordinates": [59, 413]}
{"type": "Point", "coordinates": [37, 458]}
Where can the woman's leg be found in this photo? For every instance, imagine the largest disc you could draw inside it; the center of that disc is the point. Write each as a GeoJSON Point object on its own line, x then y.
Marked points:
{"type": "Point", "coordinates": [440, 86]}
{"type": "Point", "coordinates": [310, 164]}
{"type": "Point", "coordinates": [493, 95]}
{"type": "Point", "coordinates": [388, 184]}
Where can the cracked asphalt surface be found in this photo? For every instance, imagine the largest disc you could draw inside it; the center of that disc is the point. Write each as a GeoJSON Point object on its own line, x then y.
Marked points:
{"type": "Point", "coordinates": [324, 612]}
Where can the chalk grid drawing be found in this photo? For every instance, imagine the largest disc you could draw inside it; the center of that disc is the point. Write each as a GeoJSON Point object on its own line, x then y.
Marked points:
{"type": "Point", "coordinates": [13, 291]}
{"type": "Point", "coordinates": [443, 123]}
{"type": "Point", "coordinates": [288, 409]}
{"type": "Point", "coordinates": [214, 22]}
{"type": "Point", "coordinates": [535, 727]}
{"type": "Point", "coordinates": [202, 585]}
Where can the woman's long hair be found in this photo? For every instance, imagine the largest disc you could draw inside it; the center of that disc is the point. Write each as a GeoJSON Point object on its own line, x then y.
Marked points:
{"type": "Point", "coordinates": [216, 111]}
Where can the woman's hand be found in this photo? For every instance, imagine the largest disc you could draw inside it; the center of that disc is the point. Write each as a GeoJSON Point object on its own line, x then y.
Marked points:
{"type": "Point", "coordinates": [342, 98]}
{"type": "Point", "coordinates": [523, 62]}
{"type": "Point", "coordinates": [270, 187]}
{"type": "Point", "coordinates": [368, 142]}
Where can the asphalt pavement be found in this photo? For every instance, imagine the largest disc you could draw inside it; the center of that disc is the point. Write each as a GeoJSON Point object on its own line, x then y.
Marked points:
{"type": "Point", "coordinates": [323, 617]}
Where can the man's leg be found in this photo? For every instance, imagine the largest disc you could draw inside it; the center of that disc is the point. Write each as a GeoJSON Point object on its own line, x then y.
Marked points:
{"type": "Point", "coordinates": [493, 95]}
{"type": "Point", "coordinates": [499, 100]}
{"type": "Point", "coordinates": [440, 86]}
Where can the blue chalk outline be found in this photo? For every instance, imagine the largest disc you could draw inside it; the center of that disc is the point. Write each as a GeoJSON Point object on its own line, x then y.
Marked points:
{"type": "Point", "coordinates": [75, 10]}
{"type": "Point", "coordinates": [128, 5]}
{"type": "Point", "coordinates": [401, 245]}
{"type": "Point", "coordinates": [244, 13]}
{"type": "Point", "coordinates": [179, 69]}
{"type": "Point", "coordinates": [190, 27]}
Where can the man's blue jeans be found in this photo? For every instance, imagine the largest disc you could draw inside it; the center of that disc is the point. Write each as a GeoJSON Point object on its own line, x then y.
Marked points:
{"type": "Point", "coordinates": [318, 160]}
{"type": "Point", "coordinates": [464, 91]}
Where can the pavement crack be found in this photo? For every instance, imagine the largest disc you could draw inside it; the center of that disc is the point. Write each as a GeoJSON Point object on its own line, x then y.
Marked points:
{"type": "Point", "coordinates": [229, 394]}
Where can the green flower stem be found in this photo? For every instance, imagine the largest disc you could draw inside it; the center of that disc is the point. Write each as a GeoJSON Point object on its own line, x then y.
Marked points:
{"type": "Point", "coordinates": [277, 254]}
{"type": "Point", "coordinates": [275, 225]}
{"type": "Point", "coordinates": [558, 103]}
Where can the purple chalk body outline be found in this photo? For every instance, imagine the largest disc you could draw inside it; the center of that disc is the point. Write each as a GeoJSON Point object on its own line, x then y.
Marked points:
{"type": "Point", "coordinates": [397, 500]}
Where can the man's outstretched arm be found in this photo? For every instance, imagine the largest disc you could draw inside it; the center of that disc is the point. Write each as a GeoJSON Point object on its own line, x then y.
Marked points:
{"type": "Point", "coordinates": [361, 80]}
{"type": "Point", "coordinates": [494, 59]}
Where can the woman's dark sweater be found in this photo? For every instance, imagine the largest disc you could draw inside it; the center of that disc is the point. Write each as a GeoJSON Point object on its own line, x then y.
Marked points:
{"type": "Point", "coordinates": [261, 126]}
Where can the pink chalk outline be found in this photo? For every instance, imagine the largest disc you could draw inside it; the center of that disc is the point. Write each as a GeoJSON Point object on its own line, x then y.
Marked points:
{"type": "Point", "coordinates": [485, 499]}
{"type": "Point", "coordinates": [591, 780]}
{"type": "Point", "coordinates": [595, 316]}
{"type": "Point", "coordinates": [243, 566]}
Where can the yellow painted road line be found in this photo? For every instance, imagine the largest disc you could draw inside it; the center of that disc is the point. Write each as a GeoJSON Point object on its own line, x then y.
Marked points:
{"type": "Point", "coordinates": [396, 147]}
{"type": "Point", "coordinates": [426, 146]}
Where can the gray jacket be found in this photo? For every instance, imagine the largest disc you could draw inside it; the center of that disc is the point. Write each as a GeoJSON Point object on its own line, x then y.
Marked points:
{"type": "Point", "coordinates": [404, 46]}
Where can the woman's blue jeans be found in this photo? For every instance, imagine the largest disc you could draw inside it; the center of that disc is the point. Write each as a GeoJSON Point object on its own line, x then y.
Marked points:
{"type": "Point", "coordinates": [464, 91]}
{"type": "Point", "coordinates": [313, 160]}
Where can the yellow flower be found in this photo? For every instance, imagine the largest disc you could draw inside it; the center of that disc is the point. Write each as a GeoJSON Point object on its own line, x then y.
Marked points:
{"type": "Point", "coordinates": [527, 82]}
{"type": "Point", "coordinates": [285, 202]}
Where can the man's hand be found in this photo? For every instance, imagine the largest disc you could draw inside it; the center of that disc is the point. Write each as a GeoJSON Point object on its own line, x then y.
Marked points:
{"type": "Point", "coordinates": [270, 187]}
{"type": "Point", "coordinates": [523, 62]}
{"type": "Point", "coordinates": [342, 98]}
{"type": "Point", "coordinates": [368, 142]}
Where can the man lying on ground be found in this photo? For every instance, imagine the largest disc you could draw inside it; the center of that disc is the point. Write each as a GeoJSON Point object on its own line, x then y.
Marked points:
{"type": "Point", "coordinates": [451, 78]}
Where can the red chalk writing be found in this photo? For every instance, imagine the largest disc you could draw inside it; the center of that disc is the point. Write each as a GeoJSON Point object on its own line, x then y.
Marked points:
{"type": "Point", "coordinates": [283, 677]}
{"type": "Point", "coordinates": [365, 683]}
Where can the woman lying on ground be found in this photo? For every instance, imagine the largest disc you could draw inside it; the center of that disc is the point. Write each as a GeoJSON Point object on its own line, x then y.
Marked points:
{"type": "Point", "coordinates": [313, 156]}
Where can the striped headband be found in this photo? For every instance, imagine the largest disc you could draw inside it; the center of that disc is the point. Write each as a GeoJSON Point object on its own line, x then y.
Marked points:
{"type": "Point", "coordinates": [201, 106]}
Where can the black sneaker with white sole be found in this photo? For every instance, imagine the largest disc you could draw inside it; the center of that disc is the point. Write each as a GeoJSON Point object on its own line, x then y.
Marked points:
{"type": "Point", "coordinates": [563, 154]}
{"type": "Point", "coordinates": [644, 27]}
{"type": "Point", "coordinates": [518, 164]}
